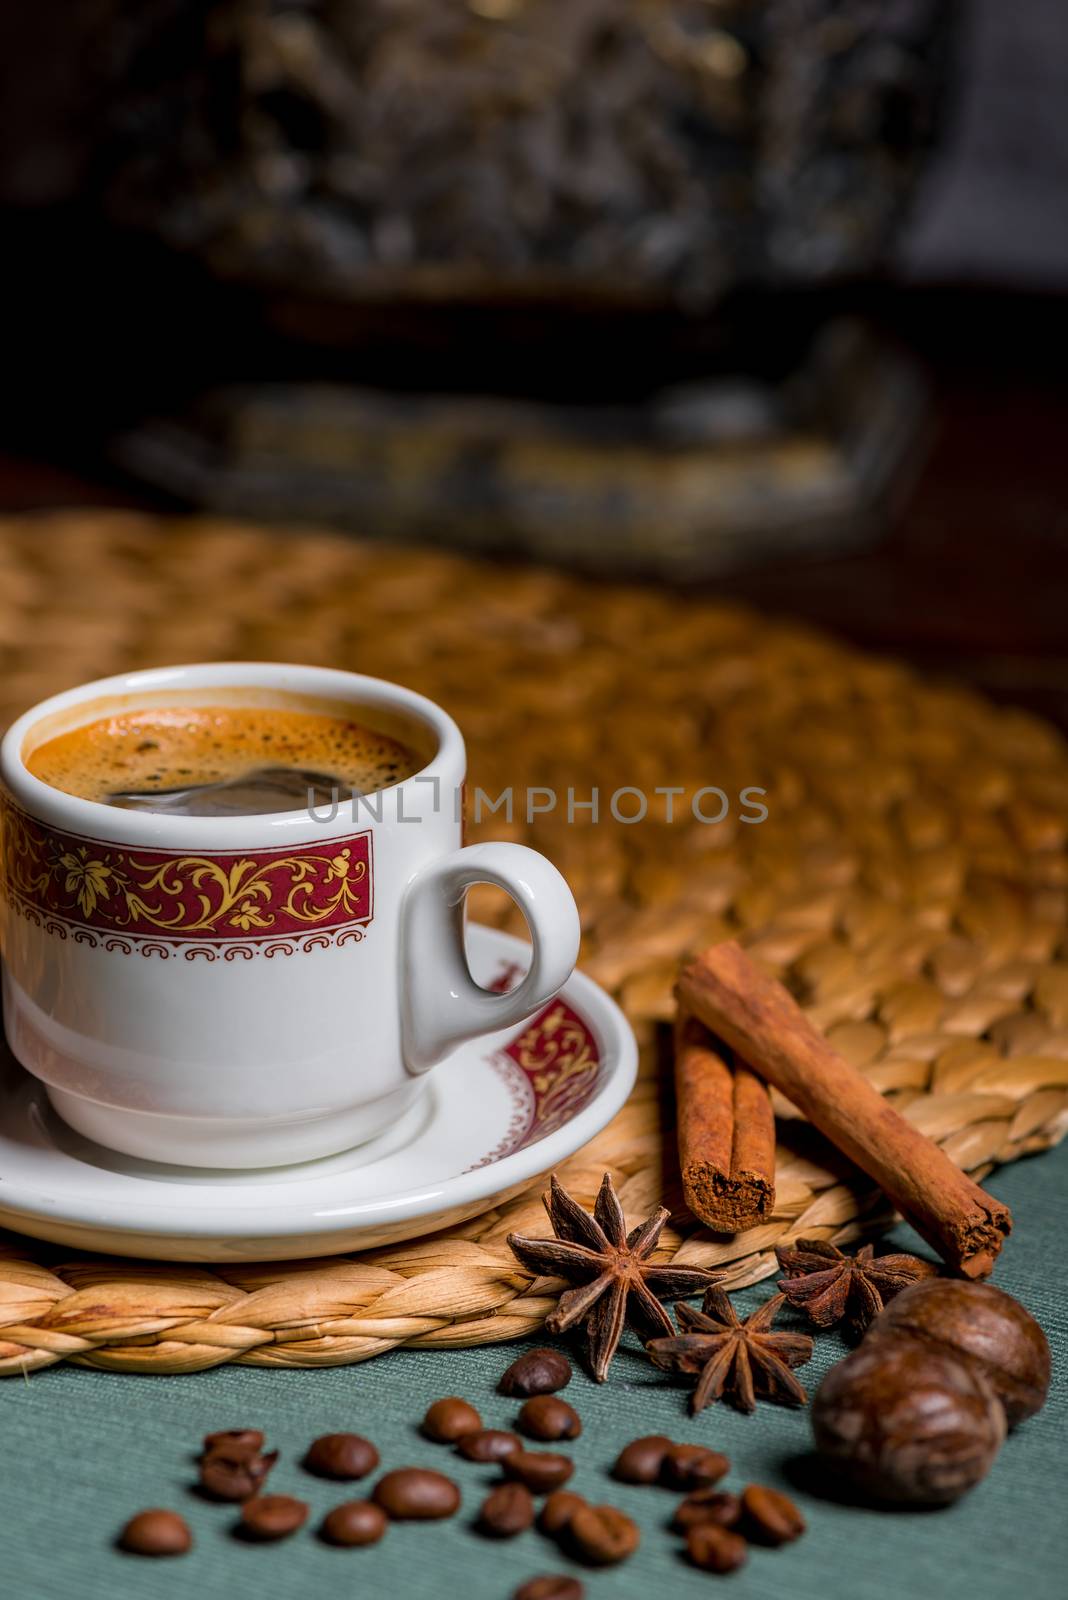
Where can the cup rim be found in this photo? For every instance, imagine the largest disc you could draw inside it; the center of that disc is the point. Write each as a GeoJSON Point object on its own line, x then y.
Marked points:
{"type": "Point", "coordinates": [96, 819]}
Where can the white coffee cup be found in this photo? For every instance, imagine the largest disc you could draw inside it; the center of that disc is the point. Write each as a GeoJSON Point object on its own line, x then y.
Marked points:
{"type": "Point", "coordinates": [253, 990]}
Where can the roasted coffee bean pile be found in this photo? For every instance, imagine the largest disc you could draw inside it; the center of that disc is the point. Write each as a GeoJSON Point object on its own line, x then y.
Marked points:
{"type": "Point", "coordinates": [656, 1459]}
{"type": "Point", "coordinates": [233, 1467]}
{"type": "Point", "coordinates": [718, 1526]}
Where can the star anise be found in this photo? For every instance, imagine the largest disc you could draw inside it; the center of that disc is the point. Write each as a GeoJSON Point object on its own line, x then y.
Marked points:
{"type": "Point", "coordinates": [831, 1287]}
{"type": "Point", "coordinates": [617, 1283]}
{"type": "Point", "coordinates": [735, 1360]}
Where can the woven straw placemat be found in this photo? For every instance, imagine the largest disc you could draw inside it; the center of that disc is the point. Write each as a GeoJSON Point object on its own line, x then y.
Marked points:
{"type": "Point", "coordinates": [910, 884]}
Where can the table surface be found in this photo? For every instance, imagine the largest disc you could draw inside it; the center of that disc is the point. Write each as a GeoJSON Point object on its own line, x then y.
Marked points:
{"type": "Point", "coordinates": [84, 1450]}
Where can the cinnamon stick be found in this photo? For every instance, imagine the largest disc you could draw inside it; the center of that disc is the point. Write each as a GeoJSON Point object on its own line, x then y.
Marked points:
{"type": "Point", "coordinates": [726, 1134]}
{"type": "Point", "coordinates": [760, 1020]}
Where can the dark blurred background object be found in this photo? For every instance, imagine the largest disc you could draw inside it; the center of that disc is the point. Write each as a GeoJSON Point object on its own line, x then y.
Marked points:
{"type": "Point", "coordinates": [991, 210]}
{"type": "Point", "coordinates": [344, 239]}
{"type": "Point", "coordinates": [578, 214]}
{"type": "Point", "coordinates": [181, 107]}
{"type": "Point", "coordinates": [630, 150]}
{"type": "Point", "coordinates": [687, 480]}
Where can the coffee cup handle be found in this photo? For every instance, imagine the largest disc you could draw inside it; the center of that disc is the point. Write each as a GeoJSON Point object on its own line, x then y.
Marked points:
{"type": "Point", "coordinates": [441, 1003]}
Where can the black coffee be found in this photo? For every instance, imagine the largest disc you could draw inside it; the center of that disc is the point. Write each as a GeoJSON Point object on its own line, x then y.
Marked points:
{"type": "Point", "coordinates": [215, 761]}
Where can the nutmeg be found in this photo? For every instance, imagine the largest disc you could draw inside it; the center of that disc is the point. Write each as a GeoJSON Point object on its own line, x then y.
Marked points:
{"type": "Point", "coordinates": [983, 1324]}
{"type": "Point", "coordinates": [906, 1422]}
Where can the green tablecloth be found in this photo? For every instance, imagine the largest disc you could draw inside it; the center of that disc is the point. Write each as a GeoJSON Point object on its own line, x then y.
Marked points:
{"type": "Point", "coordinates": [83, 1450]}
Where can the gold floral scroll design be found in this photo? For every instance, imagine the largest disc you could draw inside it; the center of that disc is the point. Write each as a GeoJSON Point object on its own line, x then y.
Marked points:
{"type": "Point", "coordinates": [559, 1055]}
{"type": "Point", "coordinates": [151, 892]}
{"type": "Point", "coordinates": [551, 1071]}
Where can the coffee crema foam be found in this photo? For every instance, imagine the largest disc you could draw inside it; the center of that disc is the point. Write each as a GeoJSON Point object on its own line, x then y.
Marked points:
{"type": "Point", "coordinates": [246, 759]}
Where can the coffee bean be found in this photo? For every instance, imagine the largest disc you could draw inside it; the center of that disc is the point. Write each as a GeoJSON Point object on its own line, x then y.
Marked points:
{"type": "Point", "coordinates": [415, 1494]}
{"type": "Point", "coordinates": [540, 1470]}
{"type": "Point", "coordinates": [341, 1455]}
{"type": "Point", "coordinates": [156, 1533]}
{"type": "Point", "coordinates": [546, 1417]}
{"type": "Point", "coordinates": [506, 1511]}
{"type": "Point", "coordinates": [541, 1371]}
{"type": "Point", "coordinates": [234, 1441]}
{"type": "Point", "coordinates": [557, 1512]}
{"type": "Point", "coordinates": [715, 1549]}
{"type": "Point", "coordinates": [232, 1474]}
{"type": "Point", "coordinates": [450, 1419]}
{"type": "Point", "coordinates": [272, 1516]}
{"type": "Point", "coordinates": [601, 1535]}
{"type": "Point", "coordinates": [707, 1505]}
{"type": "Point", "coordinates": [769, 1517]}
{"type": "Point", "coordinates": [641, 1460]}
{"type": "Point", "coordinates": [354, 1522]}
{"type": "Point", "coordinates": [551, 1586]}
{"type": "Point", "coordinates": [491, 1444]}
{"type": "Point", "coordinates": [692, 1466]}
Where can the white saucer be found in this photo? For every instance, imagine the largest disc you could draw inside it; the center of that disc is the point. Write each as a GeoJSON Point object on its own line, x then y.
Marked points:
{"type": "Point", "coordinates": [498, 1114]}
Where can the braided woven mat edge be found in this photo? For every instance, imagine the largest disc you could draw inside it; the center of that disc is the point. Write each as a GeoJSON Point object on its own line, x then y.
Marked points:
{"type": "Point", "coordinates": [910, 884]}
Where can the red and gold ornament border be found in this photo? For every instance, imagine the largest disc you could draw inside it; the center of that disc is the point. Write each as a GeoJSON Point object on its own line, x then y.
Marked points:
{"type": "Point", "coordinates": [213, 902]}
{"type": "Point", "coordinates": [551, 1070]}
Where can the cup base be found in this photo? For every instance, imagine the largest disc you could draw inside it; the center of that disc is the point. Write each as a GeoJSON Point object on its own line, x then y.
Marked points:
{"type": "Point", "coordinates": [235, 1142]}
